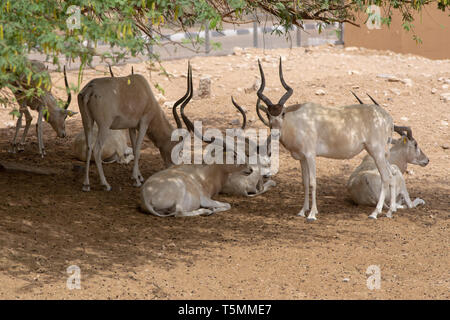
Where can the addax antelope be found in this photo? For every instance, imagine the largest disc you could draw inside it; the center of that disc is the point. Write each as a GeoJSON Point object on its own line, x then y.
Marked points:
{"type": "Point", "coordinates": [309, 130]}
{"type": "Point", "coordinates": [187, 189]}
{"type": "Point", "coordinates": [364, 184]}
{"type": "Point", "coordinates": [123, 103]}
{"type": "Point", "coordinates": [46, 105]}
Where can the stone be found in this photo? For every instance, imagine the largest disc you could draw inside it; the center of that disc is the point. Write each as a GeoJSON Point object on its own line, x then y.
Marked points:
{"type": "Point", "coordinates": [237, 51]}
{"type": "Point", "coordinates": [433, 90]}
{"type": "Point", "coordinates": [407, 82]}
{"type": "Point", "coordinates": [204, 87]}
{"type": "Point", "coordinates": [254, 87]}
{"type": "Point", "coordinates": [445, 97]}
{"type": "Point", "coordinates": [320, 92]}
{"type": "Point", "coordinates": [169, 104]}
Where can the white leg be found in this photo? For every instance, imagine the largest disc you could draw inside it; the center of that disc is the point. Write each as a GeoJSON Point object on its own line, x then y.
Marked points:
{"type": "Point", "coordinates": [102, 135]}
{"type": "Point", "coordinates": [312, 181]}
{"type": "Point", "coordinates": [386, 176]}
{"type": "Point", "coordinates": [214, 206]}
{"type": "Point", "coordinates": [39, 133]}
{"type": "Point", "coordinates": [393, 189]}
{"type": "Point", "coordinates": [28, 118]}
{"type": "Point", "coordinates": [137, 151]}
{"type": "Point", "coordinates": [18, 126]}
{"type": "Point", "coordinates": [305, 179]}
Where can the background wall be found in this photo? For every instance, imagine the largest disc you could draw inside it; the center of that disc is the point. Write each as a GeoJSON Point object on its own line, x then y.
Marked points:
{"type": "Point", "coordinates": [432, 26]}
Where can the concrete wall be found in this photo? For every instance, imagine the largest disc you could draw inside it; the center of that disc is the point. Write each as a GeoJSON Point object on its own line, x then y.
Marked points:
{"type": "Point", "coordinates": [432, 26]}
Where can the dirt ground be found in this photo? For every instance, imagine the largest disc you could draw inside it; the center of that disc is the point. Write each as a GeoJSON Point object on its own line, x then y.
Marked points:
{"type": "Point", "coordinates": [259, 249]}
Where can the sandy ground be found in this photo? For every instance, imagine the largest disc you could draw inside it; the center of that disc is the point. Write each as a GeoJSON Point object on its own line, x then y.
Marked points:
{"type": "Point", "coordinates": [259, 249]}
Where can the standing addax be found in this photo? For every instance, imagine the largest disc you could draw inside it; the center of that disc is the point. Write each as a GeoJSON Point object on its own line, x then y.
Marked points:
{"type": "Point", "coordinates": [46, 105]}
{"type": "Point", "coordinates": [309, 130]}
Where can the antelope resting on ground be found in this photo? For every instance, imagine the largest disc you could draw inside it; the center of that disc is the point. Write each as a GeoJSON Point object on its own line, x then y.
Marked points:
{"type": "Point", "coordinates": [364, 184]}
{"type": "Point", "coordinates": [186, 190]}
{"type": "Point", "coordinates": [123, 103]}
{"type": "Point", "coordinates": [115, 148]}
{"type": "Point", "coordinates": [247, 183]}
{"type": "Point", "coordinates": [308, 130]}
{"type": "Point", "coordinates": [46, 105]}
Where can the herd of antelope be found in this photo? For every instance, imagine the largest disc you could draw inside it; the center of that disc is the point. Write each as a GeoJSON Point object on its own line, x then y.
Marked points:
{"type": "Point", "coordinates": [110, 105]}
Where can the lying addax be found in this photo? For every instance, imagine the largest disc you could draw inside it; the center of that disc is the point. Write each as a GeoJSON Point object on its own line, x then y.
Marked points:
{"type": "Point", "coordinates": [364, 184]}
{"type": "Point", "coordinates": [248, 183]}
{"type": "Point", "coordinates": [123, 103]}
{"type": "Point", "coordinates": [46, 105]}
{"type": "Point", "coordinates": [186, 190]}
{"type": "Point", "coordinates": [115, 148]}
{"type": "Point", "coordinates": [308, 130]}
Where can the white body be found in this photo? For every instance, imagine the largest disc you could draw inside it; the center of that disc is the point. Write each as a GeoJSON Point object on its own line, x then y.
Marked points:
{"type": "Point", "coordinates": [115, 148]}
{"type": "Point", "coordinates": [364, 184]}
{"type": "Point", "coordinates": [186, 190]}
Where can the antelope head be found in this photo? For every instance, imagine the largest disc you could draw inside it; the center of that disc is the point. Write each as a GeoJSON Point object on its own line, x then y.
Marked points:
{"type": "Point", "coordinates": [274, 111]}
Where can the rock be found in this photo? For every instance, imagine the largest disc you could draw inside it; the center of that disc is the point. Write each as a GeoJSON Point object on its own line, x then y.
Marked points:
{"type": "Point", "coordinates": [346, 280]}
{"type": "Point", "coordinates": [410, 171]}
{"type": "Point", "coordinates": [10, 124]}
{"type": "Point", "coordinates": [433, 90]}
{"type": "Point", "coordinates": [445, 146]}
{"type": "Point", "coordinates": [395, 91]}
{"type": "Point", "coordinates": [254, 87]}
{"type": "Point", "coordinates": [355, 87]}
{"type": "Point", "coordinates": [204, 88]}
{"type": "Point", "coordinates": [444, 123]}
{"type": "Point", "coordinates": [445, 97]}
{"type": "Point", "coordinates": [237, 51]}
{"type": "Point", "coordinates": [404, 119]}
{"type": "Point", "coordinates": [388, 77]}
{"type": "Point", "coordinates": [445, 86]}
{"type": "Point", "coordinates": [320, 92]}
{"type": "Point", "coordinates": [447, 81]}
{"type": "Point", "coordinates": [169, 104]}
{"type": "Point", "coordinates": [351, 49]}
{"type": "Point", "coordinates": [160, 98]}
{"type": "Point", "coordinates": [407, 82]}
{"type": "Point", "coordinates": [350, 72]}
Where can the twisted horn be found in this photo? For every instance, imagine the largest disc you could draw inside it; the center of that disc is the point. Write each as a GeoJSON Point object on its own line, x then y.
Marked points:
{"type": "Point", "coordinates": [244, 116]}
{"type": "Point", "coordinates": [174, 108]}
{"type": "Point", "coordinates": [261, 88]}
{"type": "Point", "coordinates": [259, 107]}
{"type": "Point", "coordinates": [289, 90]}
{"type": "Point", "coordinates": [373, 100]}
{"type": "Point", "coordinates": [187, 122]}
{"type": "Point", "coordinates": [359, 100]}
{"type": "Point", "coordinates": [69, 95]}
{"type": "Point", "coordinates": [110, 71]}
{"type": "Point", "coordinates": [400, 130]}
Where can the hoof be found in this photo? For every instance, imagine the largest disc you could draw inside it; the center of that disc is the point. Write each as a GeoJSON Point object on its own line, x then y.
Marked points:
{"type": "Point", "coordinates": [86, 188]}
{"type": "Point", "coordinates": [107, 187]}
{"type": "Point", "coordinates": [373, 217]}
{"type": "Point", "coordinates": [311, 219]}
{"type": "Point", "coordinates": [141, 178]}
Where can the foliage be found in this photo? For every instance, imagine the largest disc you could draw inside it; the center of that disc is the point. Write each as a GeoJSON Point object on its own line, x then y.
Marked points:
{"type": "Point", "coordinates": [131, 26]}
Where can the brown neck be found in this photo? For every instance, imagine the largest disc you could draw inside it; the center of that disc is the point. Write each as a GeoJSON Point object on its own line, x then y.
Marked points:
{"type": "Point", "coordinates": [160, 132]}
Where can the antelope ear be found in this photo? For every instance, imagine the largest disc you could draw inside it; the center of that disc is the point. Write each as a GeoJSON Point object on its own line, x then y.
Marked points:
{"type": "Point", "coordinates": [404, 139]}
{"type": "Point", "coordinates": [71, 113]}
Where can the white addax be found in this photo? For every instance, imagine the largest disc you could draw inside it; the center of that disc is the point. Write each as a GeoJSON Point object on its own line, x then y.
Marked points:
{"type": "Point", "coordinates": [310, 130]}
